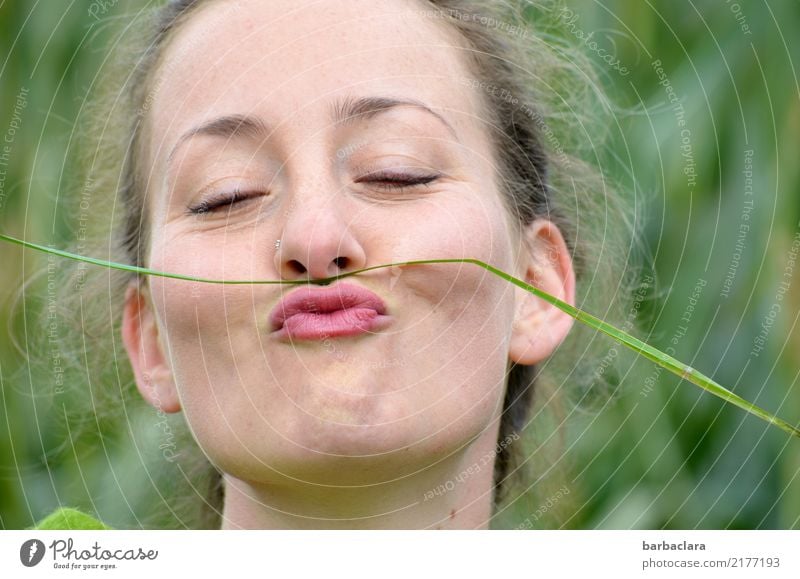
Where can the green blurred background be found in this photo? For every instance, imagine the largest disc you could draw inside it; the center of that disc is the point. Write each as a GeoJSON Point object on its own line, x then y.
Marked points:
{"type": "Point", "coordinates": [654, 452]}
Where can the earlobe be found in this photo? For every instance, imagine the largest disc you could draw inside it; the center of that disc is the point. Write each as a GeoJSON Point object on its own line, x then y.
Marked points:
{"type": "Point", "coordinates": [140, 335]}
{"type": "Point", "coordinates": [540, 327]}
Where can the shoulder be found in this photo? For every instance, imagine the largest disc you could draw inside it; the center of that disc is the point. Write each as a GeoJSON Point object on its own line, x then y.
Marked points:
{"type": "Point", "coordinates": [66, 518]}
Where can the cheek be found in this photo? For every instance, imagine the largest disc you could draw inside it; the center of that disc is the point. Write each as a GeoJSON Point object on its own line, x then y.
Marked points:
{"type": "Point", "coordinates": [229, 254]}
{"type": "Point", "coordinates": [458, 316]}
{"type": "Point", "coordinates": [458, 227]}
{"type": "Point", "coordinates": [212, 335]}
{"type": "Point", "coordinates": [205, 324]}
{"type": "Point", "coordinates": [469, 222]}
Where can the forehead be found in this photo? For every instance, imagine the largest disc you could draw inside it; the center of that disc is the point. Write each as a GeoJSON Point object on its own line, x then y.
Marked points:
{"type": "Point", "coordinates": [286, 60]}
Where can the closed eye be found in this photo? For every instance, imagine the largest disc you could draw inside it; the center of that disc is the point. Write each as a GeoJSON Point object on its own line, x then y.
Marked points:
{"type": "Point", "coordinates": [227, 199]}
{"type": "Point", "coordinates": [397, 180]}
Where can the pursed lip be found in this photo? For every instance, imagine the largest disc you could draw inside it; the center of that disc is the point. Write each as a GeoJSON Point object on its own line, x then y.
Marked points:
{"type": "Point", "coordinates": [315, 313]}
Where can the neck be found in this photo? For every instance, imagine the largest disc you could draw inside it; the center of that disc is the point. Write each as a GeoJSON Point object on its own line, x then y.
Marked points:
{"type": "Point", "coordinates": [456, 493]}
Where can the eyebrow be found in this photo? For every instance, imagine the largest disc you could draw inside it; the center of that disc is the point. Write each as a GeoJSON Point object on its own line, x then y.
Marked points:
{"type": "Point", "coordinates": [343, 111]}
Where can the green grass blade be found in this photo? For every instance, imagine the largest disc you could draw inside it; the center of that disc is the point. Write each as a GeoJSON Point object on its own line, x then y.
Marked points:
{"type": "Point", "coordinates": [673, 365]}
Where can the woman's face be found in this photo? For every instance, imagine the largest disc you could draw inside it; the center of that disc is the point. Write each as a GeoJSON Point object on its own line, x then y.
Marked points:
{"type": "Point", "coordinates": [335, 160]}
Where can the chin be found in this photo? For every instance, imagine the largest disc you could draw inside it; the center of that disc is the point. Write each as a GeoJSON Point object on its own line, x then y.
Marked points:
{"type": "Point", "coordinates": [325, 453]}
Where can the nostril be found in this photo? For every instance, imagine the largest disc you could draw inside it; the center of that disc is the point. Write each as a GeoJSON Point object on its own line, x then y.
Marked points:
{"type": "Point", "coordinates": [296, 266]}
{"type": "Point", "coordinates": [341, 262]}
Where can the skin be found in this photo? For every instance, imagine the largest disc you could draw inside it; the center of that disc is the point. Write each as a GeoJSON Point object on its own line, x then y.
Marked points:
{"type": "Point", "coordinates": [348, 432]}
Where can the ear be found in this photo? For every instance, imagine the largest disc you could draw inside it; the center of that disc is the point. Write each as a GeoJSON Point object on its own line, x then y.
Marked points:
{"type": "Point", "coordinates": [143, 343]}
{"type": "Point", "coordinates": [540, 327]}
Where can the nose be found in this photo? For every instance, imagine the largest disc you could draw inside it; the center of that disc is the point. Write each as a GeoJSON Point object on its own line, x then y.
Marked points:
{"type": "Point", "coordinates": [318, 240]}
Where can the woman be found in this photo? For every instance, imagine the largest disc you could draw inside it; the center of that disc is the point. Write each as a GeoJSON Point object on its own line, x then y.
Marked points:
{"type": "Point", "coordinates": [300, 140]}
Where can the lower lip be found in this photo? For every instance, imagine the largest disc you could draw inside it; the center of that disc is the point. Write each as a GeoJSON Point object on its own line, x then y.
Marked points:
{"type": "Point", "coordinates": [341, 323]}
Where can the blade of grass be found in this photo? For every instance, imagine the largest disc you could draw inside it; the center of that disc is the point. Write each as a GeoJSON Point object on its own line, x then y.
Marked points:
{"type": "Point", "coordinates": [654, 354]}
